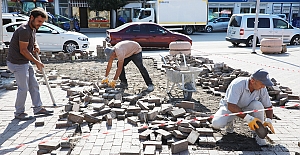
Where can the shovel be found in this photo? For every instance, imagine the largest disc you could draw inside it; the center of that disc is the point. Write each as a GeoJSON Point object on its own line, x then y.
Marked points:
{"type": "Point", "coordinates": [47, 83]}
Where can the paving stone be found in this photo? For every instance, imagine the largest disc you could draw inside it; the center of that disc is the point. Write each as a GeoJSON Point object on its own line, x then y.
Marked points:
{"type": "Point", "coordinates": [158, 137]}
{"type": "Point", "coordinates": [152, 115]}
{"type": "Point", "coordinates": [179, 146]}
{"type": "Point", "coordinates": [158, 144]}
{"type": "Point", "coordinates": [97, 106]}
{"type": "Point", "coordinates": [187, 105]}
{"type": "Point", "coordinates": [184, 129]}
{"type": "Point", "coordinates": [118, 111]}
{"type": "Point", "coordinates": [91, 119]}
{"type": "Point", "coordinates": [149, 150]}
{"type": "Point", "coordinates": [152, 136]}
{"type": "Point", "coordinates": [166, 108]}
{"type": "Point", "coordinates": [104, 111]}
{"type": "Point", "coordinates": [75, 117]}
{"type": "Point", "coordinates": [63, 124]}
{"type": "Point", "coordinates": [145, 134]}
{"type": "Point", "coordinates": [205, 131]}
{"type": "Point", "coordinates": [165, 134]}
{"type": "Point", "coordinates": [178, 134]}
{"type": "Point", "coordinates": [39, 122]}
{"type": "Point", "coordinates": [133, 120]}
{"type": "Point", "coordinates": [193, 136]}
{"type": "Point", "coordinates": [178, 112]}
{"type": "Point", "coordinates": [130, 151]}
{"type": "Point", "coordinates": [133, 109]}
{"type": "Point", "coordinates": [142, 105]}
{"type": "Point", "coordinates": [49, 145]}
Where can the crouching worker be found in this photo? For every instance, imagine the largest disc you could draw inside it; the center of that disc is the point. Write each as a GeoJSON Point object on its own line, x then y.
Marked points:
{"type": "Point", "coordinates": [125, 51]}
{"type": "Point", "coordinates": [246, 94]}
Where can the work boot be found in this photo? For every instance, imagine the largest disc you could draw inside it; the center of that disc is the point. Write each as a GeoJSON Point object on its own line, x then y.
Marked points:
{"type": "Point", "coordinates": [123, 85]}
{"type": "Point", "coordinates": [44, 111]}
{"type": "Point", "coordinates": [150, 88]}
{"type": "Point", "coordinates": [23, 117]}
{"type": "Point", "coordinates": [260, 142]}
{"type": "Point", "coordinates": [229, 127]}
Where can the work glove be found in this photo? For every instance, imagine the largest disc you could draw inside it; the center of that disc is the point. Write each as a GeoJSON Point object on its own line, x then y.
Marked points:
{"type": "Point", "coordinates": [112, 84]}
{"type": "Point", "coordinates": [251, 121]}
{"type": "Point", "coordinates": [105, 80]}
{"type": "Point", "coordinates": [268, 123]}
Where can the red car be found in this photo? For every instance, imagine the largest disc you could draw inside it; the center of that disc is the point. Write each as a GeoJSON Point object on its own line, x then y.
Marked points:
{"type": "Point", "coordinates": [146, 34]}
{"type": "Point", "coordinates": [98, 19]}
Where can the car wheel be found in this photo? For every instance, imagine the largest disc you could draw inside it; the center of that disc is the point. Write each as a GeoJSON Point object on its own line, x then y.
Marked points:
{"type": "Point", "coordinates": [209, 29]}
{"type": "Point", "coordinates": [295, 40]}
{"type": "Point", "coordinates": [189, 30]}
{"type": "Point", "coordinates": [70, 46]}
{"type": "Point", "coordinates": [249, 42]}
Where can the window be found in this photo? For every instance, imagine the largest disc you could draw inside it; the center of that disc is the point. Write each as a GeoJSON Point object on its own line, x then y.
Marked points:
{"type": "Point", "coordinates": [235, 21]}
{"type": "Point", "coordinates": [44, 29]}
{"type": "Point", "coordinates": [6, 21]}
{"type": "Point", "coordinates": [278, 23]}
{"type": "Point", "coordinates": [262, 22]}
{"type": "Point", "coordinates": [134, 29]}
{"type": "Point", "coordinates": [18, 20]}
{"type": "Point", "coordinates": [12, 28]}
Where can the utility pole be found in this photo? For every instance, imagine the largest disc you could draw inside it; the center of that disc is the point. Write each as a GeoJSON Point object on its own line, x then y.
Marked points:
{"type": "Point", "coordinates": [255, 26]}
{"type": "Point", "coordinates": [1, 25]}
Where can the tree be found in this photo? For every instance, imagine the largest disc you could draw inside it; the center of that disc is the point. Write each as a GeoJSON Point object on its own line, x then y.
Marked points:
{"type": "Point", "coordinates": [108, 5]}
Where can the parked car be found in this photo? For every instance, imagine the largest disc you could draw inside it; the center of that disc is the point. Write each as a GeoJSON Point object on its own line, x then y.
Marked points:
{"type": "Point", "coordinates": [241, 29]}
{"type": "Point", "coordinates": [11, 18]}
{"type": "Point", "coordinates": [51, 38]}
{"type": "Point", "coordinates": [99, 22]}
{"type": "Point", "coordinates": [147, 34]}
{"type": "Point", "coordinates": [217, 24]}
{"type": "Point", "coordinates": [64, 22]}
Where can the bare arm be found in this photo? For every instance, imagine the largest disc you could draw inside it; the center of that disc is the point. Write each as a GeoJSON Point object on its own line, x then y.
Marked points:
{"type": "Point", "coordinates": [234, 109]}
{"type": "Point", "coordinates": [24, 51]}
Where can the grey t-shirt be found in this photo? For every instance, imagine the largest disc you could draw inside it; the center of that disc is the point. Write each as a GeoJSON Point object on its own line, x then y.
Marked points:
{"type": "Point", "coordinates": [23, 33]}
{"type": "Point", "coordinates": [238, 93]}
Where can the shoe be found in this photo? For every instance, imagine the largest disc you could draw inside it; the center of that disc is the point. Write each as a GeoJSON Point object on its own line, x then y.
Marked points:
{"type": "Point", "coordinates": [23, 116]}
{"type": "Point", "coordinates": [123, 85]}
{"type": "Point", "coordinates": [229, 127]}
{"type": "Point", "coordinates": [44, 111]}
{"type": "Point", "coordinates": [260, 142]}
{"type": "Point", "coordinates": [150, 87]}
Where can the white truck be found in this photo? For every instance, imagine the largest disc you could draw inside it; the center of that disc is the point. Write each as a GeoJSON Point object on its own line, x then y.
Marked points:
{"type": "Point", "coordinates": [178, 15]}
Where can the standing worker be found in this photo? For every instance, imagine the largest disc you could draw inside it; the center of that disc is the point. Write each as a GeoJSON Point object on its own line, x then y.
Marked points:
{"type": "Point", "coordinates": [125, 51]}
{"type": "Point", "coordinates": [246, 94]}
{"type": "Point", "coordinates": [23, 47]}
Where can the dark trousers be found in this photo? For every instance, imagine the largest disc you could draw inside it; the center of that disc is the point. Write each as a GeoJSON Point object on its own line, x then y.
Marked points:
{"type": "Point", "coordinates": [138, 61]}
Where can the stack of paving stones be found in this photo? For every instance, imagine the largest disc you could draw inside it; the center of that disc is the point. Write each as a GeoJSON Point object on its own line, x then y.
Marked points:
{"type": "Point", "coordinates": [3, 55]}
{"type": "Point", "coordinates": [216, 77]}
{"type": "Point", "coordinates": [100, 50]}
{"type": "Point", "coordinates": [158, 124]}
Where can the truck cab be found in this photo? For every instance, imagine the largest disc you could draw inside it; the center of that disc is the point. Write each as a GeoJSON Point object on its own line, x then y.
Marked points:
{"type": "Point", "coordinates": [144, 15]}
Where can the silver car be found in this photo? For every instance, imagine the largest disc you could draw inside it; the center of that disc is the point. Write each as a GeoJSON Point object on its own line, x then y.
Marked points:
{"type": "Point", "coordinates": [217, 24]}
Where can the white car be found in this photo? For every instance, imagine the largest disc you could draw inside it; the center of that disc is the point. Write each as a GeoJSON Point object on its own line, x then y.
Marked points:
{"type": "Point", "coordinates": [51, 38]}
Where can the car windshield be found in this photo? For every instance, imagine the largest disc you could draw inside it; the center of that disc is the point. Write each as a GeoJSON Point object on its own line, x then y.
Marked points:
{"type": "Point", "coordinates": [56, 28]}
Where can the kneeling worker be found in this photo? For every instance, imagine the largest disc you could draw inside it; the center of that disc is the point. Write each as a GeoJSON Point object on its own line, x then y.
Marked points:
{"type": "Point", "coordinates": [125, 51]}
{"type": "Point", "coordinates": [246, 94]}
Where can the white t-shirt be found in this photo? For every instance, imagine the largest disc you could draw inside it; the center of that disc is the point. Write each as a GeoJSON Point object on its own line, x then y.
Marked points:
{"type": "Point", "coordinates": [127, 48]}
{"type": "Point", "coordinates": [238, 93]}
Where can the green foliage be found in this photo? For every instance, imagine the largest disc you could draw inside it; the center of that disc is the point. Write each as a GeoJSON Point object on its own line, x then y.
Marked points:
{"type": "Point", "coordinates": [106, 5]}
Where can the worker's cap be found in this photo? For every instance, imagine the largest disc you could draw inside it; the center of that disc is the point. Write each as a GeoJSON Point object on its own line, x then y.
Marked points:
{"type": "Point", "coordinates": [108, 51]}
{"type": "Point", "coordinates": [262, 76]}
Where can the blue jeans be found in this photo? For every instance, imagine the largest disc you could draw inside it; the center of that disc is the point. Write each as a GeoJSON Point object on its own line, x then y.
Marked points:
{"type": "Point", "coordinates": [138, 61]}
{"type": "Point", "coordinates": [26, 81]}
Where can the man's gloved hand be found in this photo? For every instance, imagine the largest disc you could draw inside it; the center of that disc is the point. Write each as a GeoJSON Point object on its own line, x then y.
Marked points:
{"type": "Point", "coordinates": [268, 123]}
{"type": "Point", "coordinates": [251, 121]}
{"type": "Point", "coordinates": [112, 84]}
{"type": "Point", "coordinates": [105, 80]}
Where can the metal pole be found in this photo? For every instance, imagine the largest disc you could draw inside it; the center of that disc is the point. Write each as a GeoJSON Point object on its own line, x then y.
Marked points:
{"type": "Point", "coordinates": [1, 25]}
{"type": "Point", "coordinates": [255, 26]}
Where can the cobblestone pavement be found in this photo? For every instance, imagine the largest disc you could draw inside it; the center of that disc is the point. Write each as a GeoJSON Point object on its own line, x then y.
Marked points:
{"type": "Point", "coordinates": [22, 137]}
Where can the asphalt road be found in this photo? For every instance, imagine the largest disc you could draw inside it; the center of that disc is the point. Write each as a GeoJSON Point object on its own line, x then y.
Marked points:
{"type": "Point", "coordinates": [285, 68]}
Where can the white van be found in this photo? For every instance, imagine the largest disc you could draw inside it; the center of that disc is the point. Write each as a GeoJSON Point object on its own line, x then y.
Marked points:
{"type": "Point", "coordinates": [12, 18]}
{"type": "Point", "coordinates": [241, 29]}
